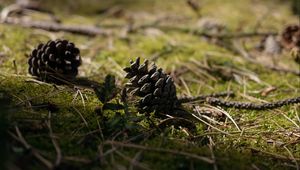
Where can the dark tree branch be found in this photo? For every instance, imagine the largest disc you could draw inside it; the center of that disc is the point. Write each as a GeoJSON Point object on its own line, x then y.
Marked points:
{"type": "Point", "coordinates": [55, 27]}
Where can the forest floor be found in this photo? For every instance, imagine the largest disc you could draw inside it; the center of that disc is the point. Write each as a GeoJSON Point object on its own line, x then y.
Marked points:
{"type": "Point", "coordinates": [207, 49]}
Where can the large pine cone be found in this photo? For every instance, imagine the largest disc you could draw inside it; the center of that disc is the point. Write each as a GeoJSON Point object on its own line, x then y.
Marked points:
{"type": "Point", "coordinates": [290, 37]}
{"type": "Point", "coordinates": [156, 89]}
{"type": "Point", "coordinates": [56, 61]}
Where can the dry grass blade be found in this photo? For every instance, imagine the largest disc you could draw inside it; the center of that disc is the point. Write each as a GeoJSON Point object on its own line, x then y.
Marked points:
{"type": "Point", "coordinates": [119, 70]}
{"type": "Point", "coordinates": [177, 121]}
{"type": "Point", "coordinates": [132, 161]}
{"type": "Point", "coordinates": [292, 156]}
{"type": "Point", "coordinates": [273, 154]}
{"type": "Point", "coordinates": [78, 92]}
{"type": "Point", "coordinates": [83, 119]}
{"type": "Point", "coordinates": [201, 120]}
{"type": "Point", "coordinates": [137, 156]}
{"type": "Point", "coordinates": [77, 159]}
{"type": "Point", "coordinates": [204, 55]}
{"type": "Point", "coordinates": [226, 114]}
{"type": "Point", "coordinates": [289, 119]}
{"type": "Point", "coordinates": [185, 86]}
{"type": "Point", "coordinates": [297, 116]}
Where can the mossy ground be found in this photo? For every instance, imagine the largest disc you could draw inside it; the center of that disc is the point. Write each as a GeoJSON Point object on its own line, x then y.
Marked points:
{"type": "Point", "coordinates": [267, 139]}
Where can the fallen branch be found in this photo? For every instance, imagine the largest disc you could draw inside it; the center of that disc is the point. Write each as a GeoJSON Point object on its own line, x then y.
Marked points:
{"type": "Point", "coordinates": [199, 32]}
{"type": "Point", "coordinates": [252, 106]}
{"type": "Point", "coordinates": [92, 31]}
{"type": "Point", "coordinates": [5, 18]}
{"type": "Point", "coordinates": [55, 27]}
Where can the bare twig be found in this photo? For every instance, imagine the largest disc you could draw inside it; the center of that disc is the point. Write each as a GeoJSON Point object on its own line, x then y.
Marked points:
{"type": "Point", "coordinates": [137, 156]}
{"type": "Point", "coordinates": [240, 50]}
{"type": "Point", "coordinates": [83, 119]}
{"type": "Point", "coordinates": [77, 159]}
{"type": "Point", "coordinates": [252, 106]}
{"type": "Point", "coordinates": [34, 152]}
{"type": "Point", "coordinates": [211, 148]}
{"type": "Point", "coordinates": [273, 154]}
{"type": "Point", "coordinates": [292, 157]}
{"type": "Point", "coordinates": [198, 32]}
{"type": "Point", "coordinates": [135, 163]}
{"type": "Point", "coordinates": [194, 6]}
{"type": "Point", "coordinates": [282, 70]}
{"type": "Point", "coordinates": [49, 26]}
{"type": "Point", "coordinates": [228, 115]}
{"type": "Point", "coordinates": [54, 141]}
{"type": "Point", "coordinates": [175, 152]}
{"type": "Point", "coordinates": [55, 27]}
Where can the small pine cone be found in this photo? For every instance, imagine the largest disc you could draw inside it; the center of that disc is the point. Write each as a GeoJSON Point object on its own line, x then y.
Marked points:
{"type": "Point", "coordinates": [290, 37]}
{"type": "Point", "coordinates": [155, 88]}
{"type": "Point", "coordinates": [55, 61]}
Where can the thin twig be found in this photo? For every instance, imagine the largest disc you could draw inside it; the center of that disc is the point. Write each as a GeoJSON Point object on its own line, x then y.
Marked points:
{"type": "Point", "coordinates": [135, 163]}
{"type": "Point", "coordinates": [55, 27]}
{"type": "Point", "coordinates": [202, 33]}
{"type": "Point", "coordinates": [54, 141]}
{"type": "Point", "coordinates": [49, 26]}
{"type": "Point", "coordinates": [292, 156]}
{"type": "Point", "coordinates": [77, 159]}
{"type": "Point", "coordinates": [213, 157]}
{"type": "Point", "coordinates": [194, 6]}
{"type": "Point", "coordinates": [34, 152]}
{"type": "Point", "coordinates": [240, 50]}
{"type": "Point", "coordinates": [252, 106]}
{"type": "Point", "coordinates": [228, 115]}
{"type": "Point", "coordinates": [175, 152]}
{"type": "Point", "coordinates": [135, 159]}
{"type": "Point", "coordinates": [273, 154]}
{"type": "Point", "coordinates": [223, 132]}
{"type": "Point", "coordinates": [83, 119]}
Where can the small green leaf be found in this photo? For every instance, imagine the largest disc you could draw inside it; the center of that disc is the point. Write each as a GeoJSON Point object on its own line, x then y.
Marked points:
{"type": "Point", "coordinates": [106, 91]}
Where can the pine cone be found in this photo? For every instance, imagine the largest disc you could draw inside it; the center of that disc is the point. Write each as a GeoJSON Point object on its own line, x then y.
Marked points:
{"type": "Point", "coordinates": [155, 88]}
{"type": "Point", "coordinates": [290, 37]}
{"type": "Point", "coordinates": [56, 61]}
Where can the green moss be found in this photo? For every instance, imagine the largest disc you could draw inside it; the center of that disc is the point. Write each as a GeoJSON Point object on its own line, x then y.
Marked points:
{"type": "Point", "coordinates": [81, 132]}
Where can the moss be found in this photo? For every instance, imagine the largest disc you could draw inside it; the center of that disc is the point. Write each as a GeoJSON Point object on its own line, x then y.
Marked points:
{"type": "Point", "coordinates": [81, 132]}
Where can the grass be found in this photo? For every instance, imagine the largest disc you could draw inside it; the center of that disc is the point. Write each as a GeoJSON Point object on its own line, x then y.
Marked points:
{"type": "Point", "coordinates": [267, 140]}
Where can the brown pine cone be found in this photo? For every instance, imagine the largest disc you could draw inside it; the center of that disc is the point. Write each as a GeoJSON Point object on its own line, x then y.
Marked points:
{"type": "Point", "coordinates": [56, 61]}
{"type": "Point", "coordinates": [155, 88]}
